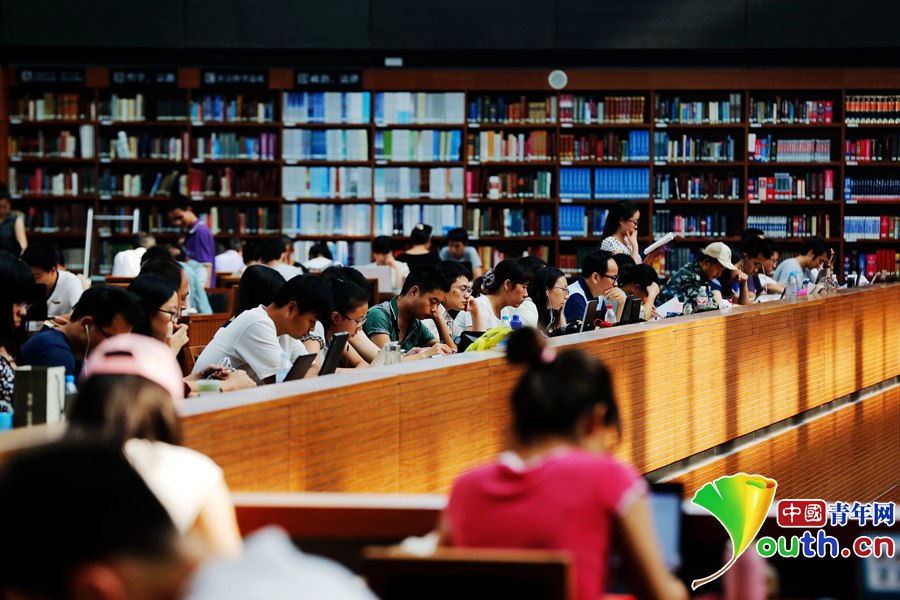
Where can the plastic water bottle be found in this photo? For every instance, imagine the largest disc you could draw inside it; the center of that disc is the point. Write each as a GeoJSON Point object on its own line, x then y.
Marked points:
{"type": "Point", "coordinates": [71, 388]}
{"type": "Point", "coordinates": [516, 323]}
{"type": "Point", "coordinates": [506, 321]}
{"type": "Point", "coordinates": [610, 316]}
{"type": "Point", "coordinates": [792, 286]}
{"type": "Point", "coordinates": [284, 365]}
{"type": "Point", "coordinates": [702, 298]}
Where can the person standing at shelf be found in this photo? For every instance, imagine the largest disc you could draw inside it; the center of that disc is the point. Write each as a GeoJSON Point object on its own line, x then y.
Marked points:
{"type": "Point", "coordinates": [814, 254]}
{"type": "Point", "coordinates": [63, 288]}
{"type": "Point", "coordinates": [198, 240]}
{"type": "Point", "coordinates": [620, 232]}
{"type": "Point", "coordinates": [12, 226]}
{"type": "Point", "coordinates": [420, 254]}
{"type": "Point", "coordinates": [458, 249]}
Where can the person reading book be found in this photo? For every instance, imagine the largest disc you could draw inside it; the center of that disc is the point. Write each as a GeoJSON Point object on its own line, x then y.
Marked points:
{"type": "Point", "coordinates": [442, 324]}
{"type": "Point", "coordinates": [685, 285]}
{"type": "Point", "coordinates": [458, 249]}
{"type": "Point", "coordinates": [814, 254]}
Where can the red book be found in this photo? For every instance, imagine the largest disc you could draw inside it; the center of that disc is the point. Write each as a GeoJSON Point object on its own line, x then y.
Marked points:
{"type": "Point", "coordinates": [829, 112]}
{"type": "Point", "coordinates": [885, 227]}
{"type": "Point", "coordinates": [871, 266]}
{"type": "Point", "coordinates": [770, 189]}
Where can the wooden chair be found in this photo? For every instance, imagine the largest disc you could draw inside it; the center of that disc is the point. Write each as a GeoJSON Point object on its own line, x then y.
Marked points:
{"type": "Point", "coordinates": [191, 356]}
{"type": "Point", "coordinates": [221, 299]}
{"type": "Point", "coordinates": [462, 574]}
{"type": "Point", "coordinates": [225, 280]}
{"type": "Point", "coordinates": [374, 296]}
{"type": "Point", "coordinates": [118, 281]}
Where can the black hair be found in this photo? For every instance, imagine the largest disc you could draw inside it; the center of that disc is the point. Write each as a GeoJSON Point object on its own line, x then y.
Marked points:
{"type": "Point", "coordinates": [620, 211]}
{"type": "Point", "coordinates": [542, 282]}
{"type": "Point", "coordinates": [178, 201]}
{"type": "Point", "coordinates": [381, 245]}
{"type": "Point", "coordinates": [596, 262]}
{"type": "Point", "coordinates": [348, 274]}
{"type": "Point", "coordinates": [109, 513]}
{"type": "Point", "coordinates": [755, 246]}
{"type": "Point", "coordinates": [252, 252]}
{"type": "Point", "coordinates": [270, 250]}
{"type": "Point", "coordinates": [155, 253]}
{"type": "Point", "coordinates": [104, 302]}
{"type": "Point", "coordinates": [643, 275]}
{"type": "Point", "coordinates": [18, 287]}
{"type": "Point", "coordinates": [233, 244]}
{"type": "Point", "coordinates": [510, 269]}
{"type": "Point", "coordinates": [553, 395]}
{"type": "Point", "coordinates": [4, 193]}
{"type": "Point", "coordinates": [451, 270]}
{"type": "Point", "coordinates": [346, 296]}
{"type": "Point", "coordinates": [426, 278]}
{"type": "Point", "coordinates": [152, 292]}
{"type": "Point", "coordinates": [624, 262]}
{"type": "Point", "coordinates": [320, 249]}
{"type": "Point", "coordinates": [420, 234]}
{"type": "Point", "coordinates": [258, 285]}
{"type": "Point", "coordinates": [142, 239]}
{"type": "Point", "coordinates": [458, 234]}
{"type": "Point", "coordinates": [815, 245]}
{"type": "Point", "coordinates": [178, 252]}
{"type": "Point", "coordinates": [165, 267]}
{"type": "Point", "coordinates": [752, 232]}
{"type": "Point", "coordinates": [311, 294]}
{"type": "Point", "coordinates": [40, 256]}
{"type": "Point", "coordinates": [532, 264]}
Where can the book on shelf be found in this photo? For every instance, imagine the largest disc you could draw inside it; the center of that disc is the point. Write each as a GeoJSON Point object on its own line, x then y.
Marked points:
{"type": "Point", "coordinates": [575, 183]}
{"type": "Point", "coordinates": [872, 109]}
{"type": "Point", "coordinates": [417, 145]}
{"type": "Point", "coordinates": [120, 108]}
{"type": "Point", "coordinates": [420, 108]}
{"type": "Point", "coordinates": [783, 187]}
{"type": "Point", "coordinates": [326, 219]}
{"type": "Point", "coordinates": [885, 260]}
{"type": "Point", "coordinates": [52, 107]}
{"type": "Point", "coordinates": [400, 219]}
{"type": "Point", "coordinates": [585, 110]}
{"type": "Point", "coordinates": [231, 182]}
{"type": "Point", "coordinates": [73, 258]}
{"type": "Point", "coordinates": [869, 189]}
{"type": "Point", "coordinates": [145, 146]}
{"type": "Point", "coordinates": [234, 146]}
{"type": "Point", "coordinates": [326, 107]}
{"type": "Point", "coordinates": [709, 225]}
{"type": "Point", "coordinates": [619, 184]}
{"type": "Point", "coordinates": [885, 148]}
{"type": "Point", "coordinates": [693, 186]}
{"type": "Point", "coordinates": [232, 220]}
{"type": "Point", "coordinates": [792, 226]}
{"type": "Point", "coordinates": [57, 219]}
{"type": "Point", "coordinates": [485, 221]}
{"type": "Point", "coordinates": [326, 182]}
{"type": "Point", "coordinates": [481, 183]}
{"type": "Point", "coordinates": [325, 144]}
{"type": "Point", "coordinates": [235, 109]}
{"type": "Point", "coordinates": [692, 148]}
{"type": "Point", "coordinates": [497, 146]}
{"type": "Point", "coordinates": [414, 182]}
{"type": "Point", "coordinates": [764, 149]}
{"type": "Point", "coordinates": [51, 182]}
{"type": "Point", "coordinates": [492, 255]}
{"type": "Point", "coordinates": [141, 184]}
{"type": "Point", "coordinates": [579, 221]}
{"type": "Point", "coordinates": [609, 146]}
{"type": "Point", "coordinates": [513, 109]}
{"type": "Point", "coordinates": [877, 227]}
{"type": "Point", "coordinates": [54, 144]}
{"type": "Point", "coordinates": [344, 252]}
{"type": "Point", "coordinates": [791, 111]}
{"type": "Point", "coordinates": [136, 108]}
{"type": "Point", "coordinates": [673, 109]}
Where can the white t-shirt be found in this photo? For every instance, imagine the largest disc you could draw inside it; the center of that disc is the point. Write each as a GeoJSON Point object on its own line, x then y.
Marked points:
{"type": "Point", "coordinates": [452, 325]}
{"type": "Point", "coordinates": [464, 319]}
{"type": "Point", "coordinates": [527, 311]}
{"type": "Point", "coordinates": [230, 261]}
{"type": "Point", "coordinates": [180, 478]}
{"type": "Point", "coordinates": [287, 271]}
{"type": "Point", "coordinates": [250, 343]}
{"type": "Point", "coordinates": [127, 263]}
{"type": "Point", "coordinates": [65, 295]}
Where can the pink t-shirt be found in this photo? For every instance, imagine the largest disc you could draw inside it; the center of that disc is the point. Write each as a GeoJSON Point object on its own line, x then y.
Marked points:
{"type": "Point", "coordinates": [566, 500]}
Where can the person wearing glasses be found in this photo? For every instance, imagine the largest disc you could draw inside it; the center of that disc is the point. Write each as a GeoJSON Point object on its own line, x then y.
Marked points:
{"type": "Point", "coordinates": [348, 314]}
{"type": "Point", "coordinates": [599, 274]}
{"type": "Point", "coordinates": [441, 323]}
{"type": "Point", "coordinates": [620, 232]}
{"type": "Point", "coordinates": [549, 291]}
{"type": "Point", "coordinates": [101, 313]}
{"type": "Point", "coordinates": [159, 301]}
{"type": "Point", "coordinates": [15, 294]}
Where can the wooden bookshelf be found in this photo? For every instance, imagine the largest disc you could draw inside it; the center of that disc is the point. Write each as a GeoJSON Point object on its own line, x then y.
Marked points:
{"type": "Point", "coordinates": [634, 101]}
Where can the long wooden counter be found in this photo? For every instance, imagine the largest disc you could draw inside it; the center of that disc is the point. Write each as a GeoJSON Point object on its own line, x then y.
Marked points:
{"type": "Point", "coordinates": [684, 386]}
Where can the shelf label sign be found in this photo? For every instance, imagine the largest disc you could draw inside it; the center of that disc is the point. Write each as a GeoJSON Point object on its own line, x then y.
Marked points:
{"type": "Point", "coordinates": [306, 78]}
{"type": "Point", "coordinates": [242, 77]}
{"type": "Point", "coordinates": [143, 77]}
{"type": "Point", "coordinates": [51, 75]}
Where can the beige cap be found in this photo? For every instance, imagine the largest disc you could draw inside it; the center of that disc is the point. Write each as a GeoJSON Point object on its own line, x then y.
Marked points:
{"type": "Point", "coordinates": [721, 253]}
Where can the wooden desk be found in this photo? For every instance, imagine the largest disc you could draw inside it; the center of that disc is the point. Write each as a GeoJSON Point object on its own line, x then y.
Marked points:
{"type": "Point", "coordinates": [684, 385]}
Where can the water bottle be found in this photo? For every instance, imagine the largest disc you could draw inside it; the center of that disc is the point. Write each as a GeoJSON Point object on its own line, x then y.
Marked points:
{"type": "Point", "coordinates": [516, 323]}
{"type": "Point", "coordinates": [609, 319]}
{"type": "Point", "coordinates": [284, 365]}
{"type": "Point", "coordinates": [506, 321]}
{"type": "Point", "coordinates": [71, 391]}
{"type": "Point", "coordinates": [792, 286]}
{"type": "Point", "coordinates": [702, 298]}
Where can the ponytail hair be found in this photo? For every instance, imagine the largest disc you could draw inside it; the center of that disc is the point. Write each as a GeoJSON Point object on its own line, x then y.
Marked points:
{"type": "Point", "coordinates": [346, 294]}
{"type": "Point", "coordinates": [620, 211]}
{"type": "Point", "coordinates": [557, 390]}
{"type": "Point", "coordinates": [506, 270]}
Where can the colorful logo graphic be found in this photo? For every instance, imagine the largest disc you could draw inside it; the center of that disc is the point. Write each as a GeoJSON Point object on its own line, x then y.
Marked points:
{"type": "Point", "coordinates": [740, 503]}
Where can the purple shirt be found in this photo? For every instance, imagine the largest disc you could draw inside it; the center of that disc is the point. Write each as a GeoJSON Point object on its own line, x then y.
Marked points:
{"type": "Point", "coordinates": [201, 246]}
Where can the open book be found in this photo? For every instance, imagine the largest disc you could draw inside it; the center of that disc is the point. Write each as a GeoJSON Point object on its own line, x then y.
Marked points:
{"type": "Point", "coordinates": [668, 238]}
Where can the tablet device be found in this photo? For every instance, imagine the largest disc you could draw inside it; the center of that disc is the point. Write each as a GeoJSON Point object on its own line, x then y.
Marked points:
{"type": "Point", "coordinates": [467, 338]}
{"type": "Point", "coordinates": [631, 313]}
{"type": "Point", "coordinates": [335, 351]}
{"type": "Point", "coordinates": [301, 366]}
{"type": "Point", "coordinates": [591, 319]}
{"type": "Point", "coordinates": [665, 504]}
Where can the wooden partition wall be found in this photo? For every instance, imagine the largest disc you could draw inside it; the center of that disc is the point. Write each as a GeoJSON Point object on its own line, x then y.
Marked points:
{"type": "Point", "coordinates": [684, 386]}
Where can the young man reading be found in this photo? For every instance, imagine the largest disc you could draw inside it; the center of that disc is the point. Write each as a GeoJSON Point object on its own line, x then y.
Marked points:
{"type": "Point", "coordinates": [458, 249]}
{"type": "Point", "coordinates": [255, 340]}
{"type": "Point", "coordinates": [599, 273]}
{"type": "Point", "coordinates": [814, 254]}
{"type": "Point", "coordinates": [400, 318]}
{"type": "Point", "coordinates": [63, 288]}
{"type": "Point", "coordinates": [441, 324]}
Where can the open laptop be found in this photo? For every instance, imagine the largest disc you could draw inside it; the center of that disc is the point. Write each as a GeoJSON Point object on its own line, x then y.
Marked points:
{"type": "Point", "coordinates": [300, 367]}
{"type": "Point", "coordinates": [335, 351]}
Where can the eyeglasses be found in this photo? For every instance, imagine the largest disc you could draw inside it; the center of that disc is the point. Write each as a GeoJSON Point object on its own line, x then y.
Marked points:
{"type": "Point", "coordinates": [564, 289]}
{"type": "Point", "coordinates": [358, 323]}
{"type": "Point", "coordinates": [23, 306]}
{"type": "Point", "coordinates": [614, 278]}
{"type": "Point", "coordinates": [173, 316]}
{"type": "Point", "coordinates": [635, 221]}
{"type": "Point", "coordinates": [465, 289]}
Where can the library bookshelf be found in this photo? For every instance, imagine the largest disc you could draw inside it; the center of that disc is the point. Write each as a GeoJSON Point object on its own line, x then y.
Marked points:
{"type": "Point", "coordinates": [348, 155]}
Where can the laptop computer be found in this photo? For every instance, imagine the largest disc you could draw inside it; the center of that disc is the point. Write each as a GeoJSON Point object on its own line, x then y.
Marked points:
{"type": "Point", "coordinates": [335, 351]}
{"type": "Point", "coordinates": [300, 367]}
{"type": "Point", "coordinates": [631, 313]}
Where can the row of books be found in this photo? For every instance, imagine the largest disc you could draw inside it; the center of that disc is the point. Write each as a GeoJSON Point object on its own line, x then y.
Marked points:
{"type": "Point", "coordinates": [883, 149]}
{"type": "Point", "coordinates": [767, 149]}
{"type": "Point", "coordinates": [791, 111]}
{"type": "Point", "coordinates": [673, 258]}
{"type": "Point", "coordinates": [512, 109]}
{"type": "Point", "coordinates": [326, 182]}
{"type": "Point", "coordinates": [73, 258]}
{"type": "Point", "coordinates": [585, 110]}
{"type": "Point", "coordinates": [688, 148]}
{"type": "Point", "coordinates": [231, 183]}
{"type": "Point", "coordinates": [711, 225]}
{"type": "Point", "coordinates": [406, 108]}
{"type": "Point", "coordinates": [236, 109]}
{"type": "Point", "coordinates": [326, 144]}
{"type": "Point", "coordinates": [56, 144]}
{"type": "Point", "coordinates": [570, 263]}
{"type": "Point", "coordinates": [414, 182]}
{"type": "Point", "coordinates": [225, 145]}
{"type": "Point", "coordinates": [146, 145]}
{"type": "Point", "coordinates": [609, 146]}
{"type": "Point", "coordinates": [692, 186]}
{"type": "Point", "coordinates": [326, 219]}
{"type": "Point", "coordinates": [498, 146]}
{"type": "Point", "coordinates": [410, 145]}
{"type": "Point", "coordinates": [869, 109]}
{"type": "Point", "coordinates": [120, 108]}
{"type": "Point", "coordinates": [400, 219]}
{"type": "Point", "coordinates": [52, 107]}
{"type": "Point", "coordinates": [492, 255]}
{"type": "Point", "coordinates": [871, 189]}
{"type": "Point", "coordinates": [68, 182]}
{"type": "Point", "coordinates": [886, 260]}
{"type": "Point", "coordinates": [509, 222]}
{"type": "Point", "coordinates": [792, 226]}
{"type": "Point", "coordinates": [481, 183]}
{"type": "Point", "coordinates": [674, 110]}
{"type": "Point", "coordinates": [608, 184]}
{"type": "Point", "coordinates": [344, 252]}
{"type": "Point", "coordinates": [881, 227]}
{"type": "Point", "coordinates": [57, 219]}
{"type": "Point", "coordinates": [580, 221]}
{"type": "Point", "coordinates": [786, 186]}
{"type": "Point", "coordinates": [231, 220]}
{"type": "Point", "coordinates": [130, 184]}
{"type": "Point", "coordinates": [326, 107]}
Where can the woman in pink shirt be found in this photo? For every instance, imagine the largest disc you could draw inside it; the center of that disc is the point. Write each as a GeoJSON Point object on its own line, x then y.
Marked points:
{"type": "Point", "coordinates": [557, 489]}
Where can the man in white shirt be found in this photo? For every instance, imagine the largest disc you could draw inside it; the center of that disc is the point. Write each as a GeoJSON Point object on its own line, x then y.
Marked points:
{"type": "Point", "coordinates": [63, 288]}
{"type": "Point", "coordinates": [458, 249]}
{"type": "Point", "coordinates": [273, 254]}
{"type": "Point", "coordinates": [253, 341]}
{"type": "Point", "coordinates": [813, 255]}
{"type": "Point", "coordinates": [127, 263]}
{"type": "Point", "coordinates": [232, 260]}
{"type": "Point", "coordinates": [382, 255]}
